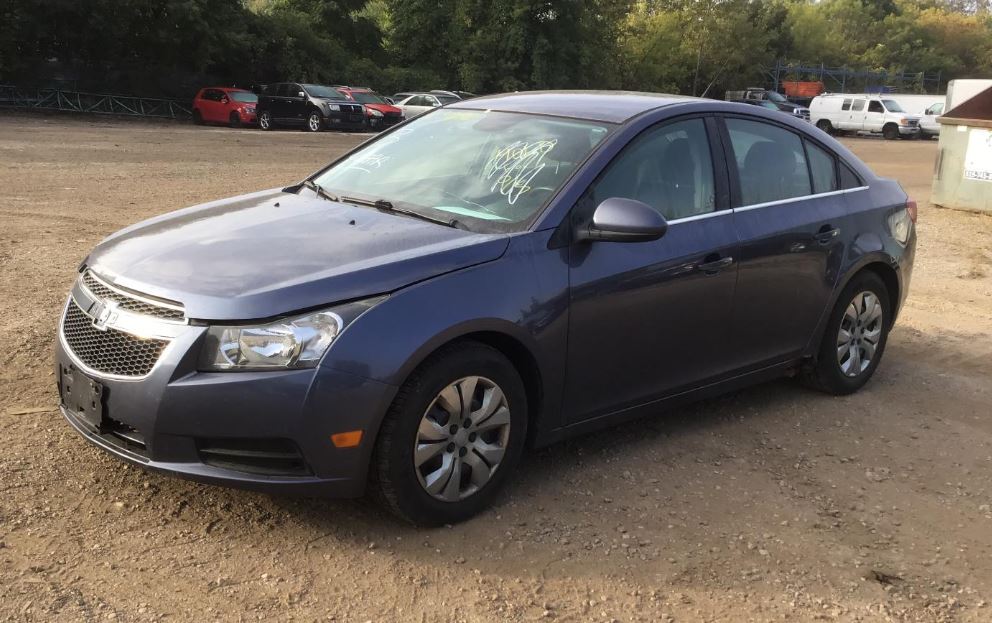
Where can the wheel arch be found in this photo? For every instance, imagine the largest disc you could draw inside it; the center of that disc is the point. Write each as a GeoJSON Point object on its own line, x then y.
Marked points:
{"type": "Point", "coordinates": [520, 355]}
{"type": "Point", "coordinates": [881, 265]}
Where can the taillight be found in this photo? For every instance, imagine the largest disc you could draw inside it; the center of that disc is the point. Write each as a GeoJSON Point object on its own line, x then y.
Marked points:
{"type": "Point", "coordinates": [911, 209]}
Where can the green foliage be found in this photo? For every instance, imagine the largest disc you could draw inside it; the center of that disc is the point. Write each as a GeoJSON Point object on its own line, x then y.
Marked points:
{"type": "Point", "coordinates": [170, 47]}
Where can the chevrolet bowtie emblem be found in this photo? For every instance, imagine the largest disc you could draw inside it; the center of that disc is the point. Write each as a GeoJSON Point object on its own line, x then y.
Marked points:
{"type": "Point", "coordinates": [104, 314]}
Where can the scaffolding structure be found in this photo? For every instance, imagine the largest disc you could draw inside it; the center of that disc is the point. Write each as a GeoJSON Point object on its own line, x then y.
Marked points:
{"type": "Point", "coordinates": [848, 80]}
{"type": "Point", "coordinates": [103, 104]}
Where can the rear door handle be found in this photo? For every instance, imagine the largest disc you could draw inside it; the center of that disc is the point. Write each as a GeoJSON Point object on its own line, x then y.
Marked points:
{"type": "Point", "coordinates": [826, 234]}
{"type": "Point", "coordinates": [715, 266]}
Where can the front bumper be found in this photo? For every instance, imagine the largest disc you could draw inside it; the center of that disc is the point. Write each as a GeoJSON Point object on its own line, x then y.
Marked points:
{"type": "Point", "coordinates": [909, 130]}
{"type": "Point", "coordinates": [386, 121]}
{"type": "Point", "coordinates": [345, 121]}
{"type": "Point", "coordinates": [170, 420]}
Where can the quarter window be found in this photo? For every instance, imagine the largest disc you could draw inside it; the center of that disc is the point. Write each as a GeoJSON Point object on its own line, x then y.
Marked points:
{"type": "Point", "coordinates": [846, 105]}
{"type": "Point", "coordinates": [770, 160]}
{"type": "Point", "coordinates": [669, 168]}
{"type": "Point", "coordinates": [848, 178]}
{"type": "Point", "coordinates": [821, 166]}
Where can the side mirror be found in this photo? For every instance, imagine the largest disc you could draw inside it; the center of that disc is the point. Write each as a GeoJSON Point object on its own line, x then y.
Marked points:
{"type": "Point", "coordinates": [225, 100]}
{"type": "Point", "coordinates": [435, 103]}
{"type": "Point", "coordinates": [300, 94]}
{"type": "Point", "coordinates": [623, 220]}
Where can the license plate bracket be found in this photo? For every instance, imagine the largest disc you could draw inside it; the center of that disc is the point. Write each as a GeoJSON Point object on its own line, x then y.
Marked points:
{"type": "Point", "coordinates": [81, 395]}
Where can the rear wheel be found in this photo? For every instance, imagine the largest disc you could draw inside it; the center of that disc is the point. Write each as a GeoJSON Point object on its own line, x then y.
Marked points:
{"type": "Point", "coordinates": [315, 122]}
{"type": "Point", "coordinates": [854, 339]}
{"type": "Point", "coordinates": [265, 120]}
{"type": "Point", "coordinates": [890, 131]}
{"type": "Point", "coordinates": [234, 120]}
{"type": "Point", "coordinates": [825, 125]}
{"type": "Point", "coordinates": [452, 437]}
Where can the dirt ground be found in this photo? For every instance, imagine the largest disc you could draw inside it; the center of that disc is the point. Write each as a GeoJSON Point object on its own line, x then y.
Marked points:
{"type": "Point", "coordinates": [774, 503]}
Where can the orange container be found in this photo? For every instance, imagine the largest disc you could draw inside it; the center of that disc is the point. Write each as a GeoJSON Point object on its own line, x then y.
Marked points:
{"type": "Point", "coordinates": [796, 88]}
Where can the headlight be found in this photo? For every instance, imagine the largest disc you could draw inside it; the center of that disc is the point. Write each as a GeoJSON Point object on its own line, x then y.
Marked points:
{"type": "Point", "coordinates": [374, 113]}
{"type": "Point", "coordinates": [297, 342]}
{"type": "Point", "coordinates": [332, 107]}
{"type": "Point", "coordinates": [904, 121]}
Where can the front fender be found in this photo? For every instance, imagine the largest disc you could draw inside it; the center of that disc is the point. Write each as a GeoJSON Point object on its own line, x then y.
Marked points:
{"type": "Point", "coordinates": [522, 296]}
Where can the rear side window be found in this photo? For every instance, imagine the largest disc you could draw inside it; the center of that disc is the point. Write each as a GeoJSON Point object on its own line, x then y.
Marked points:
{"type": "Point", "coordinates": [771, 162]}
{"type": "Point", "coordinates": [846, 105]}
{"type": "Point", "coordinates": [821, 167]}
{"type": "Point", "coordinates": [858, 105]}
{"type": "Point", "coordinates": [848, 178]}
{"type": "Point", "coordinates": [670, 168]}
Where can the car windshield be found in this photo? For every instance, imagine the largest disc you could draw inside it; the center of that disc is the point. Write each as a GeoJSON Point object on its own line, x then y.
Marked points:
{"type": "Point", "coordinates": [892, 106]}
{"type": "Point", "coordinates": [776, 96]}
{"type": "Point", "coordinates": [490, 171]}
{"type": "Point", "coordinates": [318, 90]}
{"type": "Point", "coordinates": [241, 96]}
{"type": "Point", "coordinates": [367, 97]}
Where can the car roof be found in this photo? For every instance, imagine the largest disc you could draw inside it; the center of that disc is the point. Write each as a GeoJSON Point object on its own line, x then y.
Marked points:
{"type": "Point", "coordinates": [226, 89]}
{"type": "Point", "coordinates": [608, 106]}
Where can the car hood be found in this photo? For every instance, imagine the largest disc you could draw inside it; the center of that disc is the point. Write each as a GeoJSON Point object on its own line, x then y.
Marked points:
{"type": "Point", "coordinates": [271, 253]}
{"type": "Point", "coordinates": [383, 108]}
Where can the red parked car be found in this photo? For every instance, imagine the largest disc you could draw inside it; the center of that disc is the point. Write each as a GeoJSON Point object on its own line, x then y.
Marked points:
{"type": "Point", "coordinates": [381, 114]}
{"type": "Point", "coordinates": [235, 107]}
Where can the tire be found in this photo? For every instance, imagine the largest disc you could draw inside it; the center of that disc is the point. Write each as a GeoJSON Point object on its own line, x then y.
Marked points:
{"type": "Point", "coordinates": [890, 131]}
{"type": "Point", "coordinates": [234, 120]}
{"type": "Point", "coordinates": [826, 126]}
{"type": "Point", "coordinates": [265, 120]}
{"type": "Point", "coordinates": [838, 372]}
{"type": "Point", "coordinates": [315, 122]}
{"type": "Point", "coordinates": [425, 493]}
{"type": "Point", "coordinates": [197, 117]}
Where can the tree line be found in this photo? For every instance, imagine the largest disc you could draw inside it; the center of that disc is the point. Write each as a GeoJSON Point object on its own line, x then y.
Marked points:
{"type": "Point", "coordinates": [168, 47]}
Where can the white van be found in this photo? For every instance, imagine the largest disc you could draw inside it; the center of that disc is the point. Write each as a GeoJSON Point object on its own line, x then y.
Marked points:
{"type": "Point", "coordinates": [862, 113]}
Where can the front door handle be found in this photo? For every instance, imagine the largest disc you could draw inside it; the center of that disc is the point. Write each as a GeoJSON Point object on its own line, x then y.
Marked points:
{"type": "Point", "coordinates": [826, 234]}
{"type": "Point", "coordinates": [712, 267]}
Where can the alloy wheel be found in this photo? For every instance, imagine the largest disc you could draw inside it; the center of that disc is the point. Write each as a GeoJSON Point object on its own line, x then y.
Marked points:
{"type": "Point", "coordinates": [264, 121]}
{"type": "Point", "coordinates": [462, 438]}
{"type": "Point", "coordinates": [314, 122]}
{"type": "Point", "coordinates": [859, 334]}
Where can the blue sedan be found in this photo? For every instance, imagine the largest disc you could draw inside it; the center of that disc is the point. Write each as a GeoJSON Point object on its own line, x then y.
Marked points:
{"type": "Point", "coordinates": [496, 274]}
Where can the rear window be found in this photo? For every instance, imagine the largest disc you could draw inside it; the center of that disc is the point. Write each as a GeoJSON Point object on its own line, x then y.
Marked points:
{"type": "Point", "coordinates": [771, 162]}
{"type": "Point", "coordinates": [846, 105]}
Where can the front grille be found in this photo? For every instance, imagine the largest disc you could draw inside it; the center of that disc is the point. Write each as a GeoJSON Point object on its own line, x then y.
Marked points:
{"type": "Point", "coordinates": [165, 311]}
{"type": "Point", "coordinates": [356, 117]}
{"type": "Point", "coordinates": [111, 351]}
{"type": "Point", "coordinates": [270, 457]}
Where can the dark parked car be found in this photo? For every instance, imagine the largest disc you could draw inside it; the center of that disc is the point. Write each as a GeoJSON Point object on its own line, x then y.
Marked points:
{"type": "Point", "coordinates": [498, 273]}
{"type": "Point", "coordinates": [313, 107]}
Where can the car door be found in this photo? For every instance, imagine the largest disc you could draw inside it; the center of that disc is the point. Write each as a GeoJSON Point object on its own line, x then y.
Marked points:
{"type": "Point", "coordinates": [416, 105]}
{"type": "Point", "coordinates": [856, 116]}
{"type": "Point", "coordinates": [874, 117]}
{"type": "Point", "coordinates": [793, 225]}
{"type": "Point", "coordinates": [649, 318]}
{"type": "Point", "coordinates": [296, 104]}
{"type": "Point", "coordinates": [210, 109]}
{"type": "Point", "coordinates": [844, 117]}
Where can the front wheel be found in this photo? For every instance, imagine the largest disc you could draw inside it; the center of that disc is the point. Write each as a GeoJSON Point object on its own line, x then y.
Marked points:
{"type": "Point", "coordinates": [265, 120]}
{"type": "Point", "coordinates": [890, 132]}
{"type": "Point", "coordinates": [452, 437]}
{"type": "Point", "coordinates": [854, 339]}
{"type": "Point", "coordinates": [315, 122]}
{"type": "Point", "coordinates": [234, 120]}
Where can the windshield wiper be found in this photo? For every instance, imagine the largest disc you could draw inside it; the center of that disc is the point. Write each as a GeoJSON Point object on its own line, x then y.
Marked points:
{"type": "Point", "coordinates": [387, 206]}
{"type": "Point", "coordinates": [315, 187]}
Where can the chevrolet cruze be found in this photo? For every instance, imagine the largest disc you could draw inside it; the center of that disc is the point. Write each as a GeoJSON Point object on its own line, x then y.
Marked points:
{"type": "Point", "coordinates": [497, 274]}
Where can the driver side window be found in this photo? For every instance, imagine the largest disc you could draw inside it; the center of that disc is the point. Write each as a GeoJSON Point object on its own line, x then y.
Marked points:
{"type": "Point", "coordinates": [669, 168]}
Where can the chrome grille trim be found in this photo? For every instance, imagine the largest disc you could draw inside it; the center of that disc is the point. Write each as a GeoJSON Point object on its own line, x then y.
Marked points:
{"type": "Point", "coordinates": [131, 301]}
{"type": "Point", "coordinates": [107, 353]}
